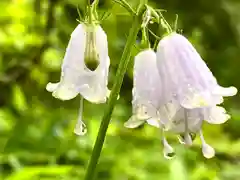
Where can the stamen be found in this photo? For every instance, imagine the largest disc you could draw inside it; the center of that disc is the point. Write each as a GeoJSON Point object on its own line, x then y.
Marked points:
{"type": "Point", "coordinates": [181, 137]}
{"type": "Point", "coordinates": [207, 150]}
{"type": "Point", "coordinates": [187, 137]}
{"type": "Point", "coordinates": [80, 128]}
{"type": "Point", "coordinates": [168, 151]}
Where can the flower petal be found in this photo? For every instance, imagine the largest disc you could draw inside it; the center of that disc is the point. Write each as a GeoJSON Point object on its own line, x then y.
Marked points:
{"type": "Point", "coordinates": [72, 65]}
{"type": "Point", "coordinates": [217, 115]}
{"type": "Point", "coordinates": [191, 99]}
{"type": "Point", "coordinates": [51, 87]}
{"type": "Point", "coordinates": [95, 89]}
{"type": "Point", "coordinates": [230, 91]}
{"type": "Point", "coordinates": [64, 92]}
{"type": "Point", "coordinates": [146, 86]}
{"type": "Point", "coordinates": [133, 122]}
{"type": "Point", "coordinates": [153, 122]}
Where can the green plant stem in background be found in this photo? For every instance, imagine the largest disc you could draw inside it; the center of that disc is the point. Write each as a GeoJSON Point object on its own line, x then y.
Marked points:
{"type": "Point", "coordinates": [113, 98]}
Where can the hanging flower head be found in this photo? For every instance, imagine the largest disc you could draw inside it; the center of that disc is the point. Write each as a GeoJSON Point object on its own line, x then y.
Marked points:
{"type": "Point", "coordinates": [147, 95]}
{"type": "Point", "coordinates": [186, 75]}
{"type": "Point", "coordinates": [177, 94]}
{"type": "Point", "coordinates": [191, 90]}
{"type": "Point", "coordinates": [146, 90]}
{"type": "Point", "coordinates": [85, 66]}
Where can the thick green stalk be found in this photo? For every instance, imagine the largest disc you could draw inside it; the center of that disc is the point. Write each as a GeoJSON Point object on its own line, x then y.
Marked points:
{"type": "Point", "coordinates": [112, 99]}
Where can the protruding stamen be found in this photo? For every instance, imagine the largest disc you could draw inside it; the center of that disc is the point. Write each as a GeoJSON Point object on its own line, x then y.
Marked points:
{"type": "Point", "coordinates": [181, 138]}
{"type": "Point", "coordinates": [207, 150]}
{"type": "Point", "coordinates": [168, 151]}
{"type": "Point", "coordinates": [80, 128]}
{"type": "Point", "coordinates": [187, 137]}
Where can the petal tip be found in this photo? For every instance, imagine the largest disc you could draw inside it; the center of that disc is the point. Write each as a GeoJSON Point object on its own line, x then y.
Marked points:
{"type": "Point", "coordinates": [64, 94]}
{"type": "Point", "coordinates": [50, 87]}
{"type": "Point", "coordinates": [133, 122]}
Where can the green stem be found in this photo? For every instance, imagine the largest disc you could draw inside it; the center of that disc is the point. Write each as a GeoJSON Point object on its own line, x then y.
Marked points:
{"type": "Point", "coordinates": [113, 98]}
{"type": "Point", "coordinates": [88, 3]}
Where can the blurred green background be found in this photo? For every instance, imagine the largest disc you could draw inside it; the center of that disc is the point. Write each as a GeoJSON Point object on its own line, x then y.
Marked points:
{"type": "Point", "coordinates": [36, 130]}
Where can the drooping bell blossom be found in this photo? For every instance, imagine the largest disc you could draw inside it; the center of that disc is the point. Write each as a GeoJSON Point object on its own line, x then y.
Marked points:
{"type": "Point", "coordinates": [146, 91]}
{"type": "Point", "coordinates": [85, 66]}
{"type": "Point", "coordinates": [187, 83]}
{"type": "Point", "coordinates": [186, 76]}
{"type": "Point", "coordinates": [147, 103]}
{"type": "Point", "coordinates": [147, 95]}
{"type": "Point", "coordinates": [189, 89]}
{"type": "Point", "coordinates": [85, 69]}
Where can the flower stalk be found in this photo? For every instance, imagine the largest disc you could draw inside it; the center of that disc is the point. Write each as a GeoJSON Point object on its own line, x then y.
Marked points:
{"type": "Point", "coordinates": [126, 56]}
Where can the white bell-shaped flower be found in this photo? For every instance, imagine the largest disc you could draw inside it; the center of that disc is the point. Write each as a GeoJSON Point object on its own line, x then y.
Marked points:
{"type": "Point", "coordinates": [147, 95]}
{"type": "Point", "coordinates": [85, 66]}
{"type": "Point", "coordinates": [186, 76]}
{"type": "Point", "coordinates": [146, 89]}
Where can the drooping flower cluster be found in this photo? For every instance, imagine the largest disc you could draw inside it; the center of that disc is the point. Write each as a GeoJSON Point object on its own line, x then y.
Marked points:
{"type": "Point", "coordinates": [175, 91]}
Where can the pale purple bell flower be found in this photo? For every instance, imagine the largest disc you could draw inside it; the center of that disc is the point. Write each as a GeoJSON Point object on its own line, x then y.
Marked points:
{"type": "Point", "coordinates": [147, 95]}
{"type": "Point", "coordinates": [186, 76]}
{"type": "Point", "coordinates": [146, 90]}
{"type": "Point", "coordinates": [189, 87]}
{"type": "Point", "coordinates": [88, 43]}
